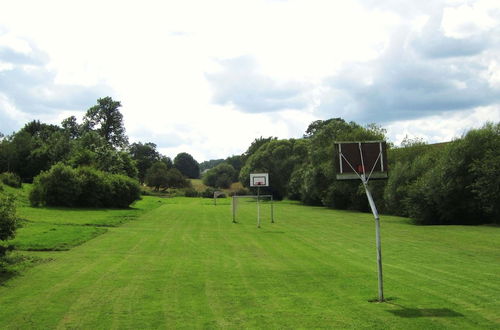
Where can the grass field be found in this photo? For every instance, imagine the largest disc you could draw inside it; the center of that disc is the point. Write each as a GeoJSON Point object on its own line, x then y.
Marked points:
{"type": "Point", "coordinates": [181, 263]}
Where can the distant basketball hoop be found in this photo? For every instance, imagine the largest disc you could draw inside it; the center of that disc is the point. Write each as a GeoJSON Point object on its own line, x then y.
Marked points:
{"type": "Point", "coordinates": [259, 180]}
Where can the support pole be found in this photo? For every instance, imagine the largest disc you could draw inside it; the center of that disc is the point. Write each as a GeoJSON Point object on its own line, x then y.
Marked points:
{"type": "Point", "coordinates": [272, 209]}
{"type": "Point", "coordinates": [234, 209]}
{"type": "Point", "coordinates": [258, 207]}
{"type": "Point", "coordinates": [377, 237]}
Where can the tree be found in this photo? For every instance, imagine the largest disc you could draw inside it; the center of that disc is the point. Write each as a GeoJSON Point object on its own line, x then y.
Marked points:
{"type": "Point", "coordinates": [187, 165]}
{"type": "Point", "coordinates": [167, 161]}
{"type": "Point", "coordinates": [461, 186]}
{"type": "Point", "coordinates": [319, 186]}
{"type": "Point", "coordinates": [160, 176]}
{"type": "Point", "coordinates": [236, 161]}
{"type": "Point", "coordinates": [279, 158]}
{"type": "Point", "coordinates": [221, 176]}
{"type": "Point", "coordinates": [145, 155]}
{"type": "Point", "coordinates": [157, 176]}
{"type": "Point", "coordinates": [71, 127]}
{"type": "Point", "coordinates": [107, 120]}
{"type": "Point", "coordinates": [175, 179]}
{"type": "Point", "coordinates": [255, 145]}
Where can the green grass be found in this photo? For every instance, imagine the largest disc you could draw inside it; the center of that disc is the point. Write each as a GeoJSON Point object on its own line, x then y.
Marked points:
{"type": "Point", "coordinates": [46, 236]}
{"type": "Point", "coordinates": [61, 228]}
{"type": "Point", "coordinates": [183, 264]}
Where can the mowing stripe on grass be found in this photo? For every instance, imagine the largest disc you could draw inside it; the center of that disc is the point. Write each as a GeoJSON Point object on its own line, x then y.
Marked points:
{"type": "Point", "coordinates": [185, 265]}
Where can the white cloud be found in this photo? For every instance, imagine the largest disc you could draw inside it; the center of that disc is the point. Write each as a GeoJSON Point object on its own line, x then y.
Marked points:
{"type": "Point", "coordinates": [444, 127]}
{"type": "Point", "coordinates": [158, 58]}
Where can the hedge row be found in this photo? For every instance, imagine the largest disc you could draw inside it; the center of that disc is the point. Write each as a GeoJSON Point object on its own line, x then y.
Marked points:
{"type": "Point", "coordinates": [83, 187]}
{"type": "Point", "coordinates": [10, 179]}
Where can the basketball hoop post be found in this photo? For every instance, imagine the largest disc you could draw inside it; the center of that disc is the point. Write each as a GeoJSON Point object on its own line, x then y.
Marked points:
{"type": "Point", "coordinates": [258, 207]}
{"type": "Point", "coordinates": [377, 237]}
{"type": "Point", "coordinates": [365, 160]}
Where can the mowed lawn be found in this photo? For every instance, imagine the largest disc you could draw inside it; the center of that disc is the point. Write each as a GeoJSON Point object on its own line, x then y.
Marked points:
{"type": "Point", "coordinates": [184, 264]}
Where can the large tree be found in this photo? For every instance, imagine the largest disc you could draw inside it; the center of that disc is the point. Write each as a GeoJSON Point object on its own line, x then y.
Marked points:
{"type": "Point", "coordinates": [221, 176]}
{"type": "Point", "coordinates": [188, 166]}
{"type": "Point", "coordinates": [71, 127]}
{"type": "Point", "coordinates": [105, 118]}
{"type": "Point", "coordinates": [145, 154]}
{"type": "Point", "coordinates": [159, 176]}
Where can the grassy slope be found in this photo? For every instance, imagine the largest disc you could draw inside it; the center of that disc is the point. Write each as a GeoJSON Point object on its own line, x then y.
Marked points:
{"type": "Point", "coordinates": [59, 228]}
{"type": "Point", "coordinates": [185, 264]}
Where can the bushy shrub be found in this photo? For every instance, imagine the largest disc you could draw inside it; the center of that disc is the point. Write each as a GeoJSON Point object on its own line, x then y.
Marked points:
{"type": "Point", "coordinates": [122, 192]}
{"type": "Point", "coordinates": [8, 219]}
{"type": "Point", "coordinates": [11, 179]}
{"type": "Point", "coordinates": [462, 185]}
{"type": "Point", "coordinates": [58, 186]}
{"type": "Point", "coordinates": [208, 193]}
{"type": "Point", "coordinates": [190, 192]}
{"type": "Point", "coordinates": [83, 187]}
{"type": "Point", "coordinates": [221, 176]}
{"type": "Point", "coordinates": [240, 192]}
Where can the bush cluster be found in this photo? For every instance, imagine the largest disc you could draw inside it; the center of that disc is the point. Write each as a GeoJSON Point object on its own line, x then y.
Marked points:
{"type": "Point", "coordinates": [11, 179]}
{"type": "Point", "coordinates": [8, 219]}
{"type": "Point", "coordinates": [83, 187]}
{"type": "Point", "coordinates": [221, 176]}
{"type": "Point", "coordinates": [191, 192]}
{"type": "Point", "coordinates": [460, 185]}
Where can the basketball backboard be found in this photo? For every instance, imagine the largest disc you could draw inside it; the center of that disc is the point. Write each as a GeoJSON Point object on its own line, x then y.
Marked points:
{"type": "Point", "coordinates": [355, 159]}
{"type": "Point", "coordinates": [259, 180]}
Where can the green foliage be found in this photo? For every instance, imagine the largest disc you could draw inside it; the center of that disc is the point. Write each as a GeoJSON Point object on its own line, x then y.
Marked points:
{"type": "Point", "coordinates": [175, 179]}
{"type": "Point", "coordinates": [71, 127]}
{"type": "Point", "coordinates": [84, 187]}
{"type": "Point", "coordinates": [221, 176]}
{"type": "Point", "coordinates": [106, 119]}
{"type": "Point", "coordinates": [191, 192]}
{"type": "Point", "coordinates": [10, 179]}
{"type": "Point", "coordinates": [57, 187]}
{"type": "Point", "coordinates": [412, 162]}
{"type": "Point", "coordinates": [187, 165]}
{"type": "Point", "coordinates": [144, 155]}
{"type": "Point", "coordinates": [279, 158]}
{"type": "Point", "coordinates": [459, 188]}
{"type": "Point", "coordinates": [255, 145]}
{"type": "Point", "coordinates": [92, 150]}
{"type": "Point", "coordinates": [8, 218]}
{"type": "Point", "coordinates": [208, 164]}
{"type": "Point", "coordinates": [160, 176]}
{"type": "Point", "coordinates": [157, 175]}
{"type": "Point", "coordinates": [315, 182]}
{"type": "Point", "coordinates": [208, 193]}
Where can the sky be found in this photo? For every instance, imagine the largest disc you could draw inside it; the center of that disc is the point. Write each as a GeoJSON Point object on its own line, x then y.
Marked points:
{"type": "Point", "coordinates": [208, 77]}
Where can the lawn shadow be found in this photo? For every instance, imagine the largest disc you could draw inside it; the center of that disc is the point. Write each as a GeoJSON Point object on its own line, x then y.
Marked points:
{"type": "Point", "coordinates": [423, 312]}
{"type": "Point", "coordinates": [426, 312]}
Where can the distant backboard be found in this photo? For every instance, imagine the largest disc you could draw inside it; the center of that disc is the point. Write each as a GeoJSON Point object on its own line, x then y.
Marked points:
{"type": "Point", "coordinates": [259, 180]}
{"type": "Point", "coordinates": [354, 159]}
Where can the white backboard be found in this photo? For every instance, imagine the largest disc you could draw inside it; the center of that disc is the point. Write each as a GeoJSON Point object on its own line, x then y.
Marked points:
{"type": "Point", "coordinates": [259, 180]}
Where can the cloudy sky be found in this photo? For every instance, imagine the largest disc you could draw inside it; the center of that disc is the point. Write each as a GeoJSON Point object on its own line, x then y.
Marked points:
{"type": "Point", "coordinates": [207, 77]}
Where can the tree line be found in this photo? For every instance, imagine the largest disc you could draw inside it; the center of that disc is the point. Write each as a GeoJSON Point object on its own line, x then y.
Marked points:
{"type": "Point", "coordinates": [449, 183]}
{"type": "Point", "coordinates": [99, 145]}
{"type": "Point", "coordinates": [452, 183]}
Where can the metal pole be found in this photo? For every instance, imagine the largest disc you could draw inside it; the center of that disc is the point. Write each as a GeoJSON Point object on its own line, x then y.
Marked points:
{"type": "Point", "coordinates": [377, 236]}
{"type": "Point", "coordinates": [258, 207]}
{"type": "Point", "coordinates": [234, 209]}
{"type": "Point", "coordinates": [272, 209]}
